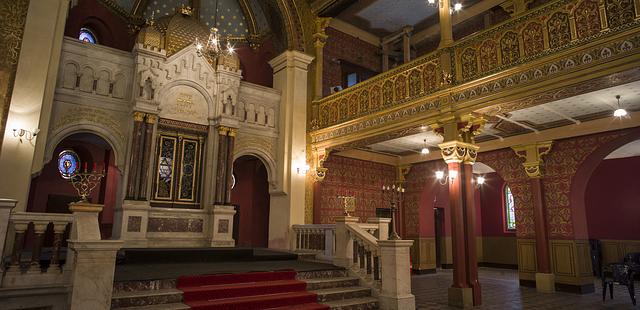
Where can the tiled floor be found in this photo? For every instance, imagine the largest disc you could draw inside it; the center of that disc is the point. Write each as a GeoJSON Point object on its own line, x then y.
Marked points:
{"type": "Point", "coordinates": [500, 290]}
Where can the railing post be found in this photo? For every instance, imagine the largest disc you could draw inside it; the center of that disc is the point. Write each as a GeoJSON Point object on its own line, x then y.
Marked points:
{"type": "Point", "coordinates": [94, 260]}
{"type": "Point", "coordinates": [18, 244]}
{"type": "Point", "coordinates": [328, 243]}
{"type": "Point", "coordinates": [396, 277]}
{"type": "Point", "coordinates": [383, 226]}
{"type": "Point", "coordinates": [5, 211]}
{"type": "Point", "coordinates": [58, 230]}
{"type": "Point", "coordinates": [344, 243]}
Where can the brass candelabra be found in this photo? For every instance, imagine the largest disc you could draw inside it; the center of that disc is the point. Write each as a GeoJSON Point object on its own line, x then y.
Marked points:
{"type": "Point", "coordinates": [393, 195]}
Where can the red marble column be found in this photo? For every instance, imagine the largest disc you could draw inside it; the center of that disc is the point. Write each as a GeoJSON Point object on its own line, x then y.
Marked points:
{"type": "Point", "coordinates": [456, 206]}
{"type": "Point", "coordinates": [231, 137]}
{"type": "Point", "coordinates": [542, 237]}
{"type": "Point", "coordinates": [135, 155]}
{"type": "Point", "coordinates": [470, 232]}
{"type": "Point", "coordinates": [146, 156]}
{"type": "Point", "coordinates": [221, 165]}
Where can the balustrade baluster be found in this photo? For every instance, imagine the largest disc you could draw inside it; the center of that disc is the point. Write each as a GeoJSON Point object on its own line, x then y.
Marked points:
{"type": "Point", "coordinates": [58, 230]}
{"type": "Point", "coordinates": [355, 253]}
{"type": "Point", "coordinates": [368, 258]}
{"type": "Point", "coordinates": [38, 229]}
{"type": "Point", "coordinates": [18, 245]}
{"type": "Point", "coordinates": [361, 253]}
{"type": "Point", "coordinates": [376, 267]}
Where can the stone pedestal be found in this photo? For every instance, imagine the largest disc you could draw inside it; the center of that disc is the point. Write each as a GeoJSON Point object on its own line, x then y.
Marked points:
{"type": "Point", "coordinates": [222, 225]}
{"type": "Point", "coordinates": [85, 225]}
{"type": "Point", "coordinates": [396, 275]}
{"type": "Point", "coordinates": [131, 223]}
{"type": "Point", "coordinates": [343, 255]}
{"type": "Point", "coordinates": [92, 274]}
{"type": "Point", "coordinates": [5, 212]}
{"type": "Point", "coordinates": [383, 226]}
{"type": "Point", "coordinates": [461, 297]}
{"type": "Point", "coordinates": [545, 282]}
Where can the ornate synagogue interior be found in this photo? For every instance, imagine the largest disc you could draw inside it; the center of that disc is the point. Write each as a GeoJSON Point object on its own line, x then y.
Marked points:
{"type": "Point", "coordinates": [319, 154]}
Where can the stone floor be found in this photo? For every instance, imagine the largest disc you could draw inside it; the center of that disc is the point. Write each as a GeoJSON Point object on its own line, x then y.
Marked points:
{"type": "Point", "coordinates": [500, 290]}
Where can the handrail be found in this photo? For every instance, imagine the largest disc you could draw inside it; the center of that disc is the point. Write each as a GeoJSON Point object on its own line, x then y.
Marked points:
{"type": "Point", "coordinates": [363, 235]}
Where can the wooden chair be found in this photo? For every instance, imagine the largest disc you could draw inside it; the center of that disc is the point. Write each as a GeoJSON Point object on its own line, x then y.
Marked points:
{"type": "Point", "coordinates": [621, 274]}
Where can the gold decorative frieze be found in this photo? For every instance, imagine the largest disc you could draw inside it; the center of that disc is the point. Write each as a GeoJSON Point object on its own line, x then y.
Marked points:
{"type": "Point", "coordinates": [459, 152]}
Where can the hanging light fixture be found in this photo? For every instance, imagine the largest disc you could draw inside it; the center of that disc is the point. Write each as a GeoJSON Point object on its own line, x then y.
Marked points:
{"type": "Point", "coordinates": [425, 149]}
{"type": "Point", "coordinates": [213, 46]}
{"type": "Point", "coordinates": [456, 7]}
{"type": "Point", "coordinates": [619, 112]}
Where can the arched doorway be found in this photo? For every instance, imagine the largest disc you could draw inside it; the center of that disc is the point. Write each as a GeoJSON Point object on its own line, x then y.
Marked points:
{"type": "Point", "coordinates": [250, 194]}
{"type": "Point", "coordinates": [610, 199]}
{"type": "Point", "coordinates": [50, 193]}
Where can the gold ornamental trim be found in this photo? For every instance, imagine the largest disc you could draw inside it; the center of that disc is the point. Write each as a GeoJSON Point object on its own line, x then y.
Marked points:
{"type": "Point", "coordinates": [532, 154]}
{"type": "Point", "coordinates": [459, 152]}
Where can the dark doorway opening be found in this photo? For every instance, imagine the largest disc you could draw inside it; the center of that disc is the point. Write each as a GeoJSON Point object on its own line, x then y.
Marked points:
{"type": "Point", "coordinates": [250, 194]}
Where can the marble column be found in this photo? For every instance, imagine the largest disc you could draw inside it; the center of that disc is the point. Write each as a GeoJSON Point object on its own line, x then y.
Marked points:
{"type": "Point", "coordinates": [32, 98]}
{"type": "Point", "coordinates": [532, 153]}
{"type": "Point", "coordinates": [290, 77]}
{"type": "Point", "coordinates": [146, 155]}
{"type": "Point", "coordinates": [221, 165]}
{"type": "Point", "coordinates": [135, 156]}
{"type": "Point", "coordinates": [446, 27]}
{"type": "Point", "coordinates": [320, 39]}
{"type": "Point", "coordinates": [231, 138]}
{"type": "Point", "coordinates": [460, 156]}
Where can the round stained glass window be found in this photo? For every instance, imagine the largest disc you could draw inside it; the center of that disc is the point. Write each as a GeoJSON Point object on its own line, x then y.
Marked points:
{"type": "Point", "coordinates": [68, 163]}
{"type": "Point", "coordinates": [86, 35]}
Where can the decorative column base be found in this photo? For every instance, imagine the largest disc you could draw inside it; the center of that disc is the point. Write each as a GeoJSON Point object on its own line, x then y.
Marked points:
{"type": "Point", "coordinates": [545, 282]}
{"type": "Point", "coordinates": [461, 297]}
{"type": "Point", "coordinates": [92, 276]}
{"type": "Point", "coordinates": [222, 225]}
{"type": "Point", "coordinates": [396, 276]}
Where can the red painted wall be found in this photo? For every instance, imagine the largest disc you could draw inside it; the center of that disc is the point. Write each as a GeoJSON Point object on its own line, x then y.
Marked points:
{"type": "Point", "coordinates": [613, 200]}
{"type": "Point", "coordinates": [255, 64]}
{"type": "Point", "coordinates": [49, 182]}
{"type": "Point", "coordinates": [341, 46]}
{"type": "Point", "coordinates": [492, 210]}
{"type": "Point", "coordinates": [110, 29]}
{"type": "Point", "coordinates": [251, 195]}
{"type": "Point", "coordinates": [351, 177]}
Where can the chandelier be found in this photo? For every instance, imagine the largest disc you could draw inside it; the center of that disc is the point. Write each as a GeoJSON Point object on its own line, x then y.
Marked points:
{"type": "Point", "coordinates": [214, 45]}
{"type": "Point", "coordinates": [457, 6]}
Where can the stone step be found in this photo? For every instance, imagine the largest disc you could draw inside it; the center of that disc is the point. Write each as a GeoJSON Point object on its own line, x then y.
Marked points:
{"type": "Point", "coordinates": [323, 283]}
{"type": "Point", "coordinates": [146, 298]}
{"type": "Point", "coordinates": [171, 306]}
{"type": "Point", "coordinates": [339, 293]}
{"type": "Point", "coordinates": [330, 273]}
{"type": "Point", "coordinates": [354, 303]}
{"type": "Point", "coordinates": [143, 285]}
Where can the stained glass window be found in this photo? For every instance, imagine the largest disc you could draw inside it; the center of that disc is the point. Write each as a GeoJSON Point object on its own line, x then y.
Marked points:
{"type": "Point", "coordinates": [68, 164]}
{"type": "Point", "coordinates": [509, 209]}
{"type": "Point", "coordinates": [86, 35]}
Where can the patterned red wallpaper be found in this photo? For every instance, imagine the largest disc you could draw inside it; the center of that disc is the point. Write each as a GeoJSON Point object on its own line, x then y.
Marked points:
{"type": "Point", "coordinates": [341, 46]}
{"type": "Point", "coordinates": [351, 177]}
{"type": "Point", "coordinates": [422, 195]}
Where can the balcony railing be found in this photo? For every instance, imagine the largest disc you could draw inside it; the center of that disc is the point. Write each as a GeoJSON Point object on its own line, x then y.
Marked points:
{"type": "Point", "coordinates": [546, 31]}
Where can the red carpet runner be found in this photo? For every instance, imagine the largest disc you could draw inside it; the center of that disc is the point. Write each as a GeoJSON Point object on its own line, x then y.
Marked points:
{"type": "Point", "coordinates": [247, 291]}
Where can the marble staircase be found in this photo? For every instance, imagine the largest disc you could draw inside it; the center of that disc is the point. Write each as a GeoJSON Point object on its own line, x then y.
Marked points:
{"type": "Point", "coordinates": [334, 288]}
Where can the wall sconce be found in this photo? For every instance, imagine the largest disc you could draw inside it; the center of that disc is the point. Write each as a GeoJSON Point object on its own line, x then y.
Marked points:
{"type": "Point", "coordinates": [303, 170]}
{"type": "Point", "coordinates": [443, 179]}
{"type": "Point", "coordinates": [480, 180]}
{"type": "Point", "coordinates": [25, 134]}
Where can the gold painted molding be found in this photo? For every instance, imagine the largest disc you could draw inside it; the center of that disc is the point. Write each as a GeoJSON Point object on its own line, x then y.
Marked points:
{"type": "Point", "coordinates": [532, 154]}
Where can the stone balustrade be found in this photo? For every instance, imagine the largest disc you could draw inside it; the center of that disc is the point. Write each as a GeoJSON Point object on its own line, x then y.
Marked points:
{"type": "Point", "coordinates": [315, 238]}
{"type": "Point", "coordinates": [30, 228]}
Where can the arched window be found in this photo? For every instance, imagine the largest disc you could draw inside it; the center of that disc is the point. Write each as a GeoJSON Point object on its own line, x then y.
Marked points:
{"type": "Point", "coordinates": [509, 209]}
{"type": "Point", "coordinates": [86, 35]}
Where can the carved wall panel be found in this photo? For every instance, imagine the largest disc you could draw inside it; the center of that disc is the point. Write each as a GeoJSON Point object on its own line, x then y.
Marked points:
{"type": "Point", "coordinates": [619, 12]}
{"type": "Point", "coordinates": [488, 56]}
{"type": "Point", "coordinates": [587, 16]}
{"type": "Point", "coordinates": [559, 30]}
{"type": "Point", "coordinates": [509, 48]}
{"type": "Point", "coordinates": [533, 39]}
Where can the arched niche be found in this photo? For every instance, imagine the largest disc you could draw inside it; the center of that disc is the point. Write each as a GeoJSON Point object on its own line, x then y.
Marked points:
{"type": "Point", "coordinates": [250, 194]}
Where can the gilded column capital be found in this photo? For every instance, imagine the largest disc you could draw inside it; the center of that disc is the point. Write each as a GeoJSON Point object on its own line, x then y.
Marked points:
{"type": "Point", "coordinates": [459, 152]}
{"type": "Point", "coordinates": [232, 132]}
{"type": "Point", "coordinates": [151, 118]}
{"type": "Point", "coordinates": [319, 157]}
{"type": "Point", "coordinates": [403, 170]}
{"type": "Point", "coordinates": [532, 154]}
{"type": "Point", "coordinates": [138, 116]}
{"type": "Point", "coordinates": [223, 130]}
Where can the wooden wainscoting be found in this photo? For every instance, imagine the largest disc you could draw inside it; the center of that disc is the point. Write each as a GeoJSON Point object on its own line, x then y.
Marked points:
{"type": "Point", "coordinates": [423, 255]}
{"type": "Point", "coordinates": [571, 263]}
{"type": "Point", "coordinates": [615, 250]}
{"type": "Point", "coordinates": [527, 260]}
{"type": "Point", "coordinates": [500, 252]}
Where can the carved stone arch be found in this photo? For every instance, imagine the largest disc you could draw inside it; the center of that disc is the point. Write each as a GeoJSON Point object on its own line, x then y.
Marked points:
{"type": "Point", "coordinates": [70, 74]}
{"type": "Point", "coordinates": [284, 16]}
{"type": "Point", "coordinates": [118, 145]}
{"type": "Point", "coordinates": [211, 104]}
{"type": "Point", "coordinates": [266, 159]}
